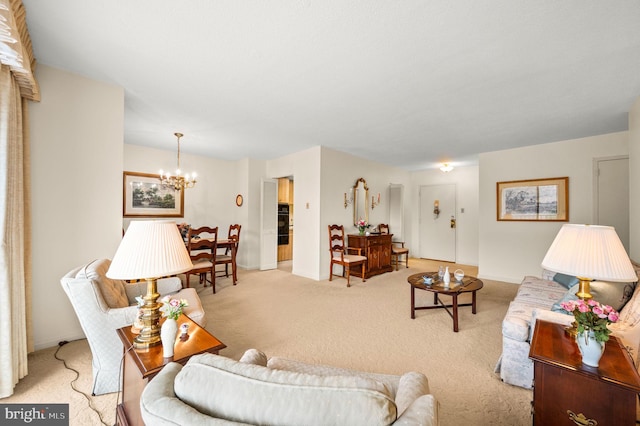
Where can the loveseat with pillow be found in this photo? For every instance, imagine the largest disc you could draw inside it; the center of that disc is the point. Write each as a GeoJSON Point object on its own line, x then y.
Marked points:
{"type": "Point", "coordinates": [214, 390]}
{"type": "Point", "coordinates": [540, 298]}
{"type": "Point", "coordinates": [104, 305]}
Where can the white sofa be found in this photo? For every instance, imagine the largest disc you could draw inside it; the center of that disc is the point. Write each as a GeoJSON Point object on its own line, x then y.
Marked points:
{"type": "Point", "coordinates": [535, 299]}
{"type": "Point", "coordinates": [214, 390]}
{"type": "Point", "coordinates": [103, 305]}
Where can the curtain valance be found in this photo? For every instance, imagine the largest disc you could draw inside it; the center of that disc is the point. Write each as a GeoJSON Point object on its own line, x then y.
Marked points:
{"type": "Point", "coordinates": [16, 51]}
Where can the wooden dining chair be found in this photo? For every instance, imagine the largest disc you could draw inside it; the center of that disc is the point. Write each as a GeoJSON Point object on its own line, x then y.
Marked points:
{"type": "Point", "coordinates": [228, 257]}
{"type": "Point", "coordinates": [343, 255]}
{"type": "Point", "coordinates": [202, 244]}
{"type": "Point", "coordinates": [397, 248]}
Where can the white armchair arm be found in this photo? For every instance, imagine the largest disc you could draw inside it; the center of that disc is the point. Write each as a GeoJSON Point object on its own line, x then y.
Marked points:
{"type": "Point", "coordinates": [423, 411]}
{"type": "Point", "coordinates": [411, 386]}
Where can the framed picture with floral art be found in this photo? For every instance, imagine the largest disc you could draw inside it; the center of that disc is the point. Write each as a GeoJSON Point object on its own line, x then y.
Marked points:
{"type": "Point", "coordinates": [144, 196]}
{"type": "Point", "coordinates": [542, 200]}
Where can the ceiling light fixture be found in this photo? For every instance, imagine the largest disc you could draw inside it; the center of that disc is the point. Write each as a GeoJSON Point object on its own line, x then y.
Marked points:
{"type": "Point", "coordinates": [178, 181]}
{"type": "Point", "coordinates": [446, 167]}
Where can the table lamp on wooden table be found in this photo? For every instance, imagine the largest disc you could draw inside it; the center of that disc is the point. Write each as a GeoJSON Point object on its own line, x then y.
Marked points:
{"type": "Point", "coordinates": [150, 250]}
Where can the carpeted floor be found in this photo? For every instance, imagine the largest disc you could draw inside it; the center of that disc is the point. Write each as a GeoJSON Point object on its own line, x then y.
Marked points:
{"type": "Point", "coordinates": [366, 327]}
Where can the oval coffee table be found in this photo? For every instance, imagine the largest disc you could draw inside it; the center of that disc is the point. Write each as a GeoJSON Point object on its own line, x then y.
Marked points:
{"type": "Point", "coordinates": [468, 285]}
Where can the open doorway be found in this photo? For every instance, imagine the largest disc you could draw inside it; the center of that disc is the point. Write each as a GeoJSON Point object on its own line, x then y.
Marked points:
{"type": "Point", "coordinates": [285, 223]}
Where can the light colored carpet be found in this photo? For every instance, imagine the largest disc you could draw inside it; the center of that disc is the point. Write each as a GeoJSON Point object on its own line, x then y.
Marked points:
{"type": "Point", "coordinates": [366, 327]}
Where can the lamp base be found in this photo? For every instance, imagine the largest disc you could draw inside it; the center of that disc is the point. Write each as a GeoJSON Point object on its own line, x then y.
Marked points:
{"type": "Point", "coordinates": [150, 333]}
{"type": "Point", "coordinates": [584, 291]}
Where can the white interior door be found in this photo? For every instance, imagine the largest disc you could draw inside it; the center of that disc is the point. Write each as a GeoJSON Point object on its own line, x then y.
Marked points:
{"type": "Point", "coordinates": [438, 231]}
{"type": "Point", "coordinates": [612, 195]}
{"type": "Point", "coordinates": [269, 225]}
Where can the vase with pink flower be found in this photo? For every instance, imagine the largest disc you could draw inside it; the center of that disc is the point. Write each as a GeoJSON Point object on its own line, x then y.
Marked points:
{"type": "Point", "coordinates": [591, 320]}
{"type": "Point", "coordinates": [171, 309]}
{"type": "Point", "coordinates": [362, 226]}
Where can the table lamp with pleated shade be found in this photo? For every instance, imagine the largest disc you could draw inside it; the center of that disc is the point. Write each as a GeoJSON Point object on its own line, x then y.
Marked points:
{"type": "Point", "coordinates": [589, 252]}
{"type": "Point", "coordinates": [150, 250]}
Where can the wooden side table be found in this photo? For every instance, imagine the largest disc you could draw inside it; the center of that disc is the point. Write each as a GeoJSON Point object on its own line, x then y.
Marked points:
{"type": "Point", "coordinates": [566, 392]}
{"type": "Point", "coordinates": [140, 366]}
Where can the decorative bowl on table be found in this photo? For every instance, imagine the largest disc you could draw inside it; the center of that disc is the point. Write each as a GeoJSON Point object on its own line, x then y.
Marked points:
{"type": "Point", "coordinates": [458, 275]}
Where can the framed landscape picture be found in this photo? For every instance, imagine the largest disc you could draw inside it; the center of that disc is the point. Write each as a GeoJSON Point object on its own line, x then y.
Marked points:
{"type": "Point", "coordinates": [145, 196]}
{"type": "Point", "coordinates": [534, 200]}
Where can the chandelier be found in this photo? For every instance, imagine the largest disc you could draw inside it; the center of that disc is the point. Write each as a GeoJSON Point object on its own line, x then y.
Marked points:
{"type": "Point", "coordinates": [178, 181]}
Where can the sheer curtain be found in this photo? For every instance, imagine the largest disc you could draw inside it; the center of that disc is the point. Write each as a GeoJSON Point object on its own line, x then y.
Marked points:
{"type": "Point", "coordinates": [17, 85]}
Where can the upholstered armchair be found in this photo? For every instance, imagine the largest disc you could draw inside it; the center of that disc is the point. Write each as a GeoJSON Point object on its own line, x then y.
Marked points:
{"type": "Point", "coordinates": [103, 305]}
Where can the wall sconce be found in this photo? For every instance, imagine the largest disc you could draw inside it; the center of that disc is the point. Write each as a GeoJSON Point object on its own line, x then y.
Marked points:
{"type": "Point", "coordinates": [349, 200]}
{"type": "Point", "coordinates": [436, 209]}
{"type": "Point", "coordinates": [374, 203]}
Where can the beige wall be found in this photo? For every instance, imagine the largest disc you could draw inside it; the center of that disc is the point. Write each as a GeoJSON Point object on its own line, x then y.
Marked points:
{"type": "Point", "coordinates": [634, 181]}
{"type": "Point", "coordinates": [510, 250]}
{"type": "Point", "coordinates": [304, 166]}
{"type": "Point", "coordinates": [76, 155]}
{"type": "Point", "coordinates": [339, 172]}
{"type": "Point", "coordinates": [211, 200]}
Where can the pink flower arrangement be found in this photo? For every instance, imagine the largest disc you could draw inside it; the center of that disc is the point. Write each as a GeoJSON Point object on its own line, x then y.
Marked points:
{"type": "Point", "coordinates": [591, 315]}
{"type": "Point", "coordinates": [172, 308]}
{"type": "Point", "coordinates": [362, 225]}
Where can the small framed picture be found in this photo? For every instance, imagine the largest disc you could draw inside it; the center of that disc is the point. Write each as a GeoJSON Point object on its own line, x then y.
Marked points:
{"type": "Point", "coordinates": [545, 200]}
{"type": "Point", "coordinates": [144, 195]}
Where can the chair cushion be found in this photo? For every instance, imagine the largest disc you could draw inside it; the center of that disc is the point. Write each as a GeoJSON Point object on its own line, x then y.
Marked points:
{"type": "Point", "coordinates": [351, 258]}
{"type": "Point", "coordinates": [202, 264]}
{"type": "Point", "coordinates": [399, 250]}
{"type": "Point", "coordinates": [227, 389]}
{"type": "Point", "coordinates": [112, 291]}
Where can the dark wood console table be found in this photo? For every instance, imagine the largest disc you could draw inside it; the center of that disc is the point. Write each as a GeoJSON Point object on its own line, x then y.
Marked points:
{"type": "Point", "coordinates": [566, 392]}
{"type": "Point", "coordinates": [140, 366]}
{"type": "Point", "coordinates": [377, 248]}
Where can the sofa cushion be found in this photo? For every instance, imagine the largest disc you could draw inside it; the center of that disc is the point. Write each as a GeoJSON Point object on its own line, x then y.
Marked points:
{"type": "Point", "coordinates": [567, 281]}
{"type": "Point", "coordinates": [615, 295]}
{"type": "Point", "coordinates": [569, 295]}
{"type": "Point", "coordinates": [391, 381]}
{"type": "Point", "coordinates": [112, 291]}
{"type": "Point", "coordinates": [533, 293]}
{"type": "Point", "coordinates": [227, 389]}
{"type": "Point", "coordinates": [539, 292]}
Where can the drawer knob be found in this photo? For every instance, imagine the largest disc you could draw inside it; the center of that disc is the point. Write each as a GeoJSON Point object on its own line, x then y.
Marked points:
{"type": "Point", "coordinates": [580, 419]}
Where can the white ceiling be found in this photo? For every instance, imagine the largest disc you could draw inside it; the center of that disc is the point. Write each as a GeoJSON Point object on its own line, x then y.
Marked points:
{"type": "Point", "coordinates": [407, 83]}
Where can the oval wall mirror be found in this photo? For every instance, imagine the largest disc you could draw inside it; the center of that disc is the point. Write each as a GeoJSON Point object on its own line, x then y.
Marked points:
{"type": "Point", "coordinates": [360, 201]}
